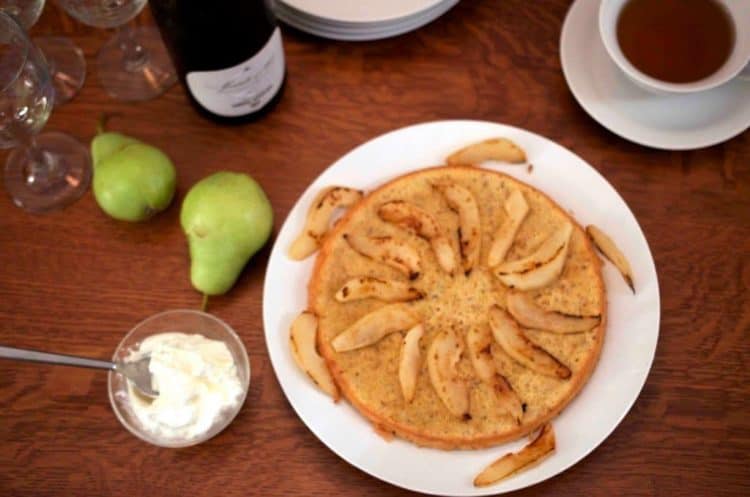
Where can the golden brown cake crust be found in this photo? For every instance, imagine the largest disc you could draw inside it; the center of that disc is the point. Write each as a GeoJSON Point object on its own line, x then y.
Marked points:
{"type": "Point", "coordinates": [367, 377]}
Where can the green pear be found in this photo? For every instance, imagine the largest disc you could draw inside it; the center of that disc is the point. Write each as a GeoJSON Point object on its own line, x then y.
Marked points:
{"type": "Point", "coordinates": [132, 180]}
{"type": "Point", "coordinates": [105, 144]}
{"type": "Point", "coordinates": [227, 218]}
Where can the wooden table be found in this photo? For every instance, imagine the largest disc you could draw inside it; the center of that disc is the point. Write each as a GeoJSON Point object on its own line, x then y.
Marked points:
{"type": "Point", "coordinates": [75, 281]}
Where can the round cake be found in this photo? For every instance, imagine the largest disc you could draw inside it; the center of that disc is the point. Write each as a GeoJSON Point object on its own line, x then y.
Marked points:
{"type": "Point", "coordinates": [438, 274]}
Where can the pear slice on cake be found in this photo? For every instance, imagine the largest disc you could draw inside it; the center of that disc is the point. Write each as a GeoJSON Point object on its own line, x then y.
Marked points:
{"type": "Point", "coordinates": [442, 360]}
{"type": "Point", "coordinates": [462, 201]}
{"type": "Point", "coordinates": [319, 218]}
{"type": "Point", "coordinates": [386, 249]}
{"type": "Point", "coordinates": [302, 339]}
{"type": "Point", "coordinates": [415, 220]}
{"type": "Point", "coordinates": [365, 287]}
{"type": "Point", "coordinates": [373, 327]}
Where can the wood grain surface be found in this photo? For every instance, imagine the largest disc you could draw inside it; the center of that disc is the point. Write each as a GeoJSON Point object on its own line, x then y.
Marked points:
{"type": "Point", "coordinates": [75, 281]}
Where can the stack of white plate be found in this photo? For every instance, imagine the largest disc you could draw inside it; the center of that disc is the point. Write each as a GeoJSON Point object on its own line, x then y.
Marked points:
{"type": "Point", "coordinates": [359, 20]}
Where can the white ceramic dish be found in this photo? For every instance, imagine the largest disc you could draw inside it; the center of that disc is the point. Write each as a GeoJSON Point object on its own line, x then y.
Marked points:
{"type": "Point", "coordinates": [362, 12]}
{"type": "Point", "coordinates": [335, 24]}
{"type": "Point", "coordinates": [363, 32]}
{"type": "Point", "coordinates": [626, 357]}
{"type": "Point", "coordinates": [670, 122]}
{"type": "Point", "coordinates": [185, 321]}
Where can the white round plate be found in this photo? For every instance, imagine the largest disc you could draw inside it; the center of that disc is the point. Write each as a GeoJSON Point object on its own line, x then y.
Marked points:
{"type": "Point", "coordinates": [671, 122]}
{"type": "Point", "coordinates": [361, 11]}
{"type": "Point", "coordinates": [334, 24]}
{"type": "Point", "coordinates": [363, 33]}
{"type": "Point", "coordinates": [629, 346]}
{"type": "Point", "coordinates": [349, 27]}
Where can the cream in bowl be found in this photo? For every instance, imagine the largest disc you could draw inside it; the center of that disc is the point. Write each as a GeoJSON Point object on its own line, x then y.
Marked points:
{"type": "Point", "coordinates": [200, 369]}
{"type": "Point", "coordinates": [196, 379]}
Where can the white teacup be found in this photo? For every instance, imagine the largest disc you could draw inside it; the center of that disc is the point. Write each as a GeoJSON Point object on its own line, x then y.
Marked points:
{"type": "Point", "coordinates": [737, 65]}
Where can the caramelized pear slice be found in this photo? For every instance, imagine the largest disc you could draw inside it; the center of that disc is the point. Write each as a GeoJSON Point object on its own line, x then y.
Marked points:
{"type": "Point", "coordinates": [463, 202]}
{"type": "Point", "coordinates": [419, 222]}
{"type": "Point", "coordinates": [442, 359]}
{"type": "Point", "coordinates": [387, 250]}
{"type": "Point", "coordinates": [607, 247]}
{"type": "Point", "coordinates": [302, 342]}
{"type": "Point", "coordinates": [408, 366]}
{"type": "Point", "coordinates": [478, 343]}
{"type": "Point", "coordinates": [498, 149]}
{"type": "Point", "coordinates": [372, 327]}
{"type": "Point", "coordinates": [542, 255]}
{"type": "Point", "coordinates": [514, 343]}
{"type": "Point", "coordinates": [539, 277]}
{"type": "Point", "coordinates": [366, 287]}
{"type": "Point", "coordinates": [542, 267]}
{"type": "Point", "coordinates": [523, 308]}
{"type": "Point", "coordinates": [506, 396]}
{"type": "Point", "coordinates": [319, 218]}
{"type": "Point", "coordinates": [516, 210]}
{"type": "Point", "coordinates": [511, 463]}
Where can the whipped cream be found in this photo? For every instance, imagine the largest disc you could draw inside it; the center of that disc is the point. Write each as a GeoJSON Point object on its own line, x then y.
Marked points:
{"type": "Point", "coordinates": [197, 381]}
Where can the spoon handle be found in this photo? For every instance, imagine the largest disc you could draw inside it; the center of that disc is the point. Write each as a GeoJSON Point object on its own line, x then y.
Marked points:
{"type": "Point", "coordinates": [46, 357]}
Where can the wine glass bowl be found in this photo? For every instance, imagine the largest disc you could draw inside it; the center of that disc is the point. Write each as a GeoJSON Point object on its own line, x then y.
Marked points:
{"type": "Point", "coordinates": [26, 12]}
{"type": "Point", "coordinates": [104, 14]}
{"type": "Point", "coordinates": [45, 172]}
{"type": "Point", "coordinates": [27, 95]}
{"type": "Point", "coordinates": [67, 65]}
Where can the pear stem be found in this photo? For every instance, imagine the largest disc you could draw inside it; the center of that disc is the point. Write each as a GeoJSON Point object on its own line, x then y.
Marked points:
{"type": "Point", "coordinates": [204, 304]}
{"type": "Point", "coordinates": [101, 124]}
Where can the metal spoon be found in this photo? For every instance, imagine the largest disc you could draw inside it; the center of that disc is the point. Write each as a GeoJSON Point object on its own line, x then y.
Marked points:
{"type": "Point", "coordinates": [137, 371]}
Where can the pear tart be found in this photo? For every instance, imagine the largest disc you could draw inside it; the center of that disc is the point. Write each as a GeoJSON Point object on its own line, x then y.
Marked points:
{"type": "Point", "coordinates": [456, 307]}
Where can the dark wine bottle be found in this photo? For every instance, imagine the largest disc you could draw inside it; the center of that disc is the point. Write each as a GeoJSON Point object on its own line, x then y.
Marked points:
{"type": "Point", "coordinates": [228, 54]}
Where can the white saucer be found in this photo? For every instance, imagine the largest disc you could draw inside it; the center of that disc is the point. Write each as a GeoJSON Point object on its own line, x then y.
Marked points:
{"type": "Point", "coordinates": [671, 122]}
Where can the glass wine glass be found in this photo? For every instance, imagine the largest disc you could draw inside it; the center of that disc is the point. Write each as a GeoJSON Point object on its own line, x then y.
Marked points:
{"type": "Point", "coordinates": [133, 65]}
{"type": "Point", "coordinates": [44, 172]}
{"type": "Point", "coordinates": [64, 59]}
{"type": "Point", "coordinates": [26, 12]}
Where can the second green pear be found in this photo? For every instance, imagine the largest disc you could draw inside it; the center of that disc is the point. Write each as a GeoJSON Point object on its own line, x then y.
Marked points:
{"type": "Point", "coordinates": [132, 180]}
{"type": "Point", "coordinates": [227, 218]}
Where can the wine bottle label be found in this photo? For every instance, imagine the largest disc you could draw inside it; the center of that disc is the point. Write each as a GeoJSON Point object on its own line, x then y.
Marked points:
{"type": "Point", "coordinates": [244, 88]}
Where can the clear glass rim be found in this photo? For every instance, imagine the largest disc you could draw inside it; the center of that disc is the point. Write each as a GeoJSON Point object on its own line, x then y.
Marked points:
{"type": "Point", "coordinates": [26, 46]}
{"type": "Point", "coordinates": [177, 444]}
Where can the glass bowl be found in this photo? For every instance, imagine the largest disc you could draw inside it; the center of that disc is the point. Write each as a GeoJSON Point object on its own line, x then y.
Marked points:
{"type": "Point", "coordinates": [185, 321]}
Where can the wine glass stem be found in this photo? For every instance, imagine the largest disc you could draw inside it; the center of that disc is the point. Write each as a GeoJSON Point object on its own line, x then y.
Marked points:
{"type": "Point", "coordinates": [42, 168]}
{"type": "Point", "coordinates": [134, 55]}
